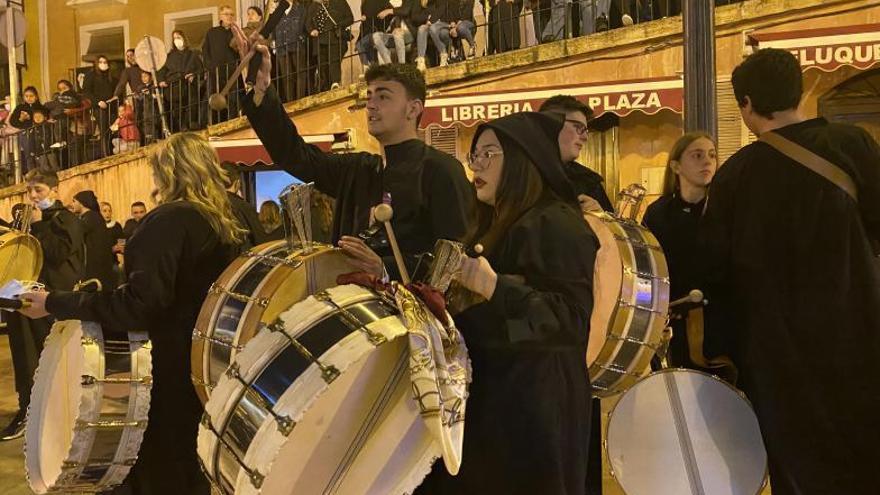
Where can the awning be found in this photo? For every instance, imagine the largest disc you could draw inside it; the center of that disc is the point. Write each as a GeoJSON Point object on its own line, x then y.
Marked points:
{"type": "Point", "coordinates": [827, 49]}
{"type": "Point", "coordinates": [250, 151]}
{"type": "Point", "coordinates": [621, 98]}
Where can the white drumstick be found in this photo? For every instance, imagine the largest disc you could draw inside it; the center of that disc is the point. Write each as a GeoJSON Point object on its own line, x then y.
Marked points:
{"type": "Point", "coordinates": [694, 296]}
{"type": "Point", "coordinates": [384, 213]}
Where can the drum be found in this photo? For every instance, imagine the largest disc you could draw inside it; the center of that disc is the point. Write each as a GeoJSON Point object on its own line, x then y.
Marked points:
{"type": "Point", "coordinates": [630, 302]}
{"type": "Point", "coordinates": [251, 293]}
{"type": "Point", "coordinates": [333, 398]}
{"type": "Point", "coordinates": [685, 432]}
{"type": "Point", "coordinates": [21, 257]}
{"type": "Point", "coordinates": [88, 409]}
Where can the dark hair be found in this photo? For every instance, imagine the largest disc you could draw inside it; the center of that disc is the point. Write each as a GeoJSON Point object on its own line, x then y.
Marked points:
{"type": "Point", "coordinates": [521, 186]}
{"type": "Point", "coordinates": [565, 104]}
{"type": "Point", "coordinates": [40, 110]}
{"type": "Point", "coordinates": [407, 75]}
{"type": "Point", "coordinates": [771, 78]}
{"type": "Point", "coordinates": [42, 176]}
{"type": "Point", "coordinates": [182, 35]}
{"type": "Point", "coordinates": [99, 57]}
{"type": "Point", "coordinates": [139, 203]}
{"type": "Point", "coordinates": [671, 181]}
{"type": "Point", "coordinates": [65, 82]}
{"type": "Point", "coordinates": [32, 90]}
{"type": "Point", "coordinates": [256, 9]}
{"type": "Point", "coordinates": [129, 50]}
{"type": "Point", "coordinates": [233, 173]}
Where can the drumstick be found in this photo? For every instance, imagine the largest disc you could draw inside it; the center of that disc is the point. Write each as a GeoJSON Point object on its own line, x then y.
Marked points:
{"type": "Point", "coordinates": [694, 296]}
{"type": "Point", "coordinates": [383, 213]}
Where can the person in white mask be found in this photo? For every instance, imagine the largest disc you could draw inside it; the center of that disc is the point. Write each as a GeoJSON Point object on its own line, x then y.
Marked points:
{"type": "Point", "coordinates": [181, 74]}
{"type": "Point", "coordinates": [98, 86]}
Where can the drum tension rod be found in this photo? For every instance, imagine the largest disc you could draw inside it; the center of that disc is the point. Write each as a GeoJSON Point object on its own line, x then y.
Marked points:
{"type": "Point", "coordinates": [629, 271]}
{"type": "Point", "coordinates": [351, 320]}
{"type": "Point", "coordinates": [197, 334]}
{"type": "Point", "coordinates": [617, 369]}
{"type": "Point", "coordinates": [634, 341]}
{"type": "Point", "coordinates": [628, 304]}
{"type": "Point", "coordinates": [294, 262]}
{"type": "Point", "coordinates": [91, 380]}
{"type": "Point", "coordinates": [84, 425]}
{"type": "Point", "coordinates": [328, 373]}
{"type": "Point", "coordinates": [219, 289]}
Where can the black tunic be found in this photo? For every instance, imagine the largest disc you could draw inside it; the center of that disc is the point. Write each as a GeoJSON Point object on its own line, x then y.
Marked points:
{"type": "Point", "coordinates": [794, 290]}
{"type": "Point", "coordinates": [586, 181]}
{"type": "Point", "coordinates": [171, 261]}
{"type": "Point", "coordinates": [99, 250]}
{"type": "Point", "coordinates": [675, 223]}
{"type": "Point", "coordinates": [430, 193]}
{"type": "Point", "coordinates": [61, 237]}
{"type": "Point", "coordinates": [527, 419]}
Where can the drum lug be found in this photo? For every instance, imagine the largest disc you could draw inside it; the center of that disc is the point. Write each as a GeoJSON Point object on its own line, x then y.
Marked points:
{"type": "Point", "coordinates": [285, 424]}
{"type": "Point", "coordinates": [201, 383]}
{"type": "Point", "coordinates": [649, 276]}
{"type": "Point", "coordinates": [628, 304]}
{"type": "Point", "coordinates": [88, 341]}
{"type": "Point", "coordinates": [635, 341]}
{"type": "Point", "coordinates": [206, 421]}
{"type": "Point", "coordinates": [220, 290]}
{"type": "Point", "coordinates": [88, 380]}
{"type": "Point", "coordinates": [256, 478]}
{"type": "Point", "coordinates": [328, 373]}
{"type": "Point", "coordinates": [233, 371]}
{"type": "Point", "coordinates": [198, 335]}
{"type": "Point", "coordinates": [294, 263]}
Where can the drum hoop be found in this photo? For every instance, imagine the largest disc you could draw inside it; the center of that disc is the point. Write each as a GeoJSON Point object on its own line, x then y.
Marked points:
{"type": "Point", "coordinates": [740, 393]}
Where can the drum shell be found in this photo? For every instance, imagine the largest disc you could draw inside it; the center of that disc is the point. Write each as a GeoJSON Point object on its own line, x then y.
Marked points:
{"type": "Point", "coordinates": [276, 288]}
{"type": "Point", "coordinates": [631, 300]}
{"type": "Point", "coordinates": [21, 257]}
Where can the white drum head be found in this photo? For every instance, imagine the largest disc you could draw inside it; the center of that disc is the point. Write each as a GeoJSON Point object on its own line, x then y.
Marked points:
{"type": "Point", "coordinates": [682, 432]}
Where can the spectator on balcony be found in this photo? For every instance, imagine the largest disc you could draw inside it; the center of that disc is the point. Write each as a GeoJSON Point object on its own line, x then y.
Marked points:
{"type": "Point", "coordinates": [399, 30]}
{"type": "Point", "coordinates": [328, 23]}
{"type": "Point", "coordinates": [594, 15]}
{"type": "Point", "coordinates": [149, 117]}
{"type": "Point", "coordinates": [541, 13]}
{"type": "Point", "coordinates": [129, 136]}
{"type": "Point", "coordinates": [130, 79]}
{"type": "Point", "coordinates": [73, 126]}
{"type": "Point", "coordinates": [22, 118]}
{"type": "Point", "coordinates": [221, 59]}
{"type": "Point", "coordinates": [504, 25]}
{"type": "Point", "coordinates": [99, 86]}
{"type": "Point", "coordinates": [432, 19]}
{"type": "Point", "coordinates": [254, 21]}
{"type": "Point", "coordinates": [291, 55]}
{"type": "Point", "coordinates": [463, 27]}
{"type": "Point", "coordinates": [375, 15]}
{"type": "Point", "coordinates": [180, 76]}
{"type": "Point", "coordinates": [41, 145]}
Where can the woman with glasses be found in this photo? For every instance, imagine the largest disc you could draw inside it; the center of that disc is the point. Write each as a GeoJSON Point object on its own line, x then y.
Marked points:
{"type": "Point", "coordinates": [529, 403]}
{"type": "Point", "coordinates": [674, 219]}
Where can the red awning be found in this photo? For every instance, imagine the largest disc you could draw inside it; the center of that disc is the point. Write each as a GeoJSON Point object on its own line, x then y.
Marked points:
{"type": "Point", "coordinates": [827, 49]}
{"type": "Point", "coordinates": [249, 151]}
{"type": "Point", "coordinates": [621, 98]}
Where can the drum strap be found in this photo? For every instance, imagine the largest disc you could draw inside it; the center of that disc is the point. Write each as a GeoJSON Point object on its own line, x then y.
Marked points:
{"type": "Point", "coordinates": [812, 161]}
{"type": "Point", "coordinates": [695, 347]}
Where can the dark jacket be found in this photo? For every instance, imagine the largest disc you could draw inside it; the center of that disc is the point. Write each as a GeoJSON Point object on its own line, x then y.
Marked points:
{"type": "Point", "coordinates": [372, 24]}
{"type": "Point", "coordinates": [130, 227]}
{"type": "Point", "coordinates": [586, 181]}
{"type": "Point", "coordinates": [216, 51]}
{"type": "Point", "coordinates": [98, 86]}
{"type": "Point", "coordinates": [340, 14]}
{"type": "Point", "coordinates": [439, 10]}
{"type": "Point", "coordinates": [99, 250]}
{"type": "Point", "coordinates": [179, 64]}
{"type": "Point", "coordinates": [15, 119]}
{"type": "Point", "coordinates": [61, 236]}
{"type": "Point", "coordinates": [247, 217]}
{"type": "Point", "coordinates": [132, 77]}
{"type": "Point", "coordinates": [292, 28]}
{"type": "Point", "coordinates": [461, 10]}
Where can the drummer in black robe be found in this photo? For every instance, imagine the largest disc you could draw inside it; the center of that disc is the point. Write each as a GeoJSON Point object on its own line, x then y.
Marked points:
{"type": "Point", "coordinates": [244, 212]}
{"type": "Point", "coordinates": [794, 285]}
{"type": "Point", "coordinates": [528, 411]}
{"type": "Point", "coordinates": [177, 252]}
{"type": "Point", "coordinates": [588, 185]}
{"type": "Point", "coordinates": [674, 219]}
{"type": "Point", "coordinates": [98, 239]}
{"type": "Point", "coordinates": [427, 188]}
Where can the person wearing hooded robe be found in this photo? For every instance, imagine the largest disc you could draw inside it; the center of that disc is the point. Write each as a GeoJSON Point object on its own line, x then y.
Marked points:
{"type": "Point", "coordinates": [99, 240]}
{"type": "Point", "coordinates": [528, 411]}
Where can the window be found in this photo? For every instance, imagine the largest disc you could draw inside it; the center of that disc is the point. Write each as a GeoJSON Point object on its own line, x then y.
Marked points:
{"type": "Point", "coordinates": [194, 24]}
{"type": "Point", "coordinates": [109, 39]}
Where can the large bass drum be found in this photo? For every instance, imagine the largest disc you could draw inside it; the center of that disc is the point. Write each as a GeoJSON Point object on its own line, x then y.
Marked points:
{"type": "Point", "coordinates": [21, 257]}
{"type": "Point", "coordinates": [334, 399]}
{"type": "Point", "coordinates": [88, 409]}
{"type": "Point", "coordinates": [251, 293]}
{"type": "Point", "coordinates": [685, 432]}
{"type": "Point", "coordinates": [630, 302]}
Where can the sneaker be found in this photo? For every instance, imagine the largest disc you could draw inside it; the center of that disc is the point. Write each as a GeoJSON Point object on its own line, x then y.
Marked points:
{"type": "Point", "coordinates": [15, 428]}
{"type": "Point", "coordinates": [420, 64]}
{"type": "Point", "coordinates": [334, 86]}
{"type": "Point", "coordinates": [444, 59]}
{"type": "Point", "coordinates": [472, 52]}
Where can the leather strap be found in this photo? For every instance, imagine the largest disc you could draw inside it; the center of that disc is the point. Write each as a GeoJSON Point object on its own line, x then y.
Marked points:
{"type": "Point", "coordinates": [722, 365]}
{"type": "Point", "coordinates": [812, 161]}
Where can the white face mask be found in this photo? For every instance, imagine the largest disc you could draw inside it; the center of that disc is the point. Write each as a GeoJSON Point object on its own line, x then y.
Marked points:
{"type": "Point", "coordinates": [45, 203]}
{"type": "Point", "coordinates": [178, 43]}
{"type": "Point", "coordinates": [103, 66]}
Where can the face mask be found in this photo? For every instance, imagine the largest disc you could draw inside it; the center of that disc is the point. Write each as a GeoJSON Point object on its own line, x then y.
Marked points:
{"type": "Point", "coordinates": [103, 66]}
{"type": "Point", "coordinates": [45, 203]}
{"type": "Point", "coordinates": [178, 43]}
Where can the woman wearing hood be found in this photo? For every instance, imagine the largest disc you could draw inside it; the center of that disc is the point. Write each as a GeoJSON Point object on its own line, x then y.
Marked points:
{"type": "Point", "coordinates": [528, 409]}
{"type": "Point", "coordinates": [98, 239]}
{"type": "Point", "coordinates": [181, 74]}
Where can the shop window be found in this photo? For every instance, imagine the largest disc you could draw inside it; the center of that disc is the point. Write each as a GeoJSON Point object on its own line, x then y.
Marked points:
{"type": "Point", "coordinates": [445, 140]}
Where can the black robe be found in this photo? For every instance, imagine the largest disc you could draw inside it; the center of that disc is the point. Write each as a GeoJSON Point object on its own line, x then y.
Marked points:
{"type": "Point", "coordinates": [504, 25]}
{"type": "Point", "coordinates": [794, 295]}
{"type": "Point", "coordinates": [171, 261]}
{"type": "Point", "coordinates": [430, 193]}
{"type": "Point", "coordinates": [99, 250]}
{"type": "Point", "coordinates": [586, 181]}
{"type": "Point", "coordinates": [247, 217]}
{"type": "Point", "coordinates": [528, 411]}
{"type": "Point", "coordinates": [675, 224]}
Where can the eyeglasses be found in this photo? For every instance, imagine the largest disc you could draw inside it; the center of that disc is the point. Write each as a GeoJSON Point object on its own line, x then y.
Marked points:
{"type": "Point", "coordinates": [579, 127]}
{"type": "Point", "coordinates": [480, 161]}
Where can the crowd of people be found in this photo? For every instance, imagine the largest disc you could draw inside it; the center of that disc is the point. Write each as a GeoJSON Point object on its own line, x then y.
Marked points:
{"type": "Point", "coordinates": [111, 112]}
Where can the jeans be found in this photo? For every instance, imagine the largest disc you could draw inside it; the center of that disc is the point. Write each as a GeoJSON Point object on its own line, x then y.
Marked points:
{"type": "Point", "coordinates": [401, 37]}
{"type": "Point", "coordinates": [439, 32]}
{"type": "Point", "coordinates": [588, 17]}
{"type": "Point", "coordinates": [465, 30]}
{"type": "Point", "coordinates": [366, 50]}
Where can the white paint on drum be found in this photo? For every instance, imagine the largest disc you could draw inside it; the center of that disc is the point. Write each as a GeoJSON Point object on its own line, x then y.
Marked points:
{"type": "Point", "coordinates": [647, 454]}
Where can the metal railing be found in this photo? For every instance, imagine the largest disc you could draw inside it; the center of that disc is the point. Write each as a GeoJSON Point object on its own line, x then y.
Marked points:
{"type": "Point", "coordinates": [307, 66]}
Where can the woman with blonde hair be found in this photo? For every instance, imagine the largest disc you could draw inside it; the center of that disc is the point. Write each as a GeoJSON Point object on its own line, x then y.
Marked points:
{"type": "Point", "coordinates": [177, 252]}
{"type": "Point", "coordinates": [270, 218]}
{"type": "Point", "coordinates": [674, 220]}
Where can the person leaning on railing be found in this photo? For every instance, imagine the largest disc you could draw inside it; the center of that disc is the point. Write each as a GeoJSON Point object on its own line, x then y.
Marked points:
{"type": "Point", "coordinates": [180, 76]}
{"type": "Point", "coordinates": [327, 23]}
{"type": "Point", "coordinates": [291, 57]}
